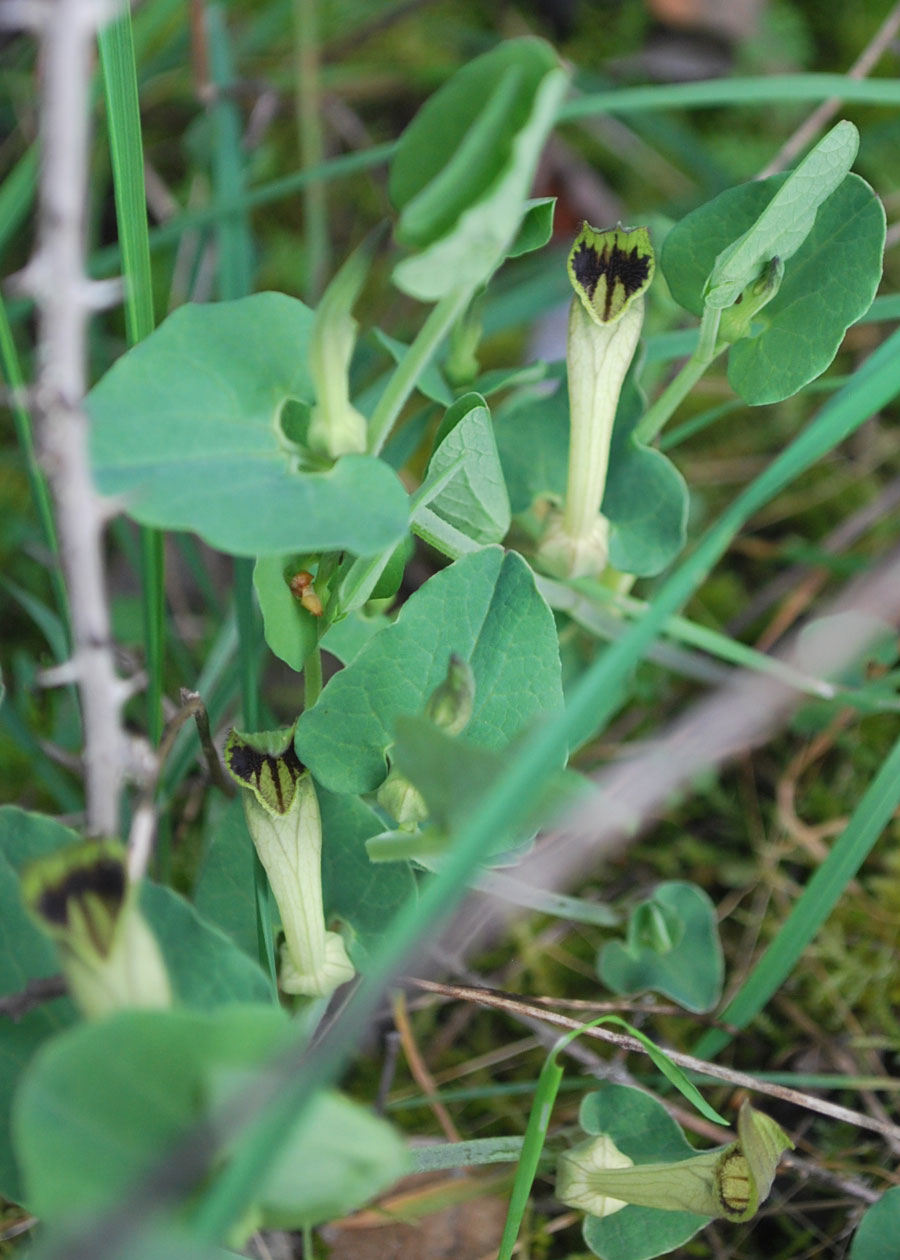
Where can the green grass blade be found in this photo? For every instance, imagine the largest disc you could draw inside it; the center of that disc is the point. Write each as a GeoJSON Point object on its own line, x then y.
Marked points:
{"type": "Point", "coordinates": [533, 1143]}
{"type": "Point", "coordinates": [235, 280]}
{"type": "Point", "coordinates": [116, 45]}
{"type": "Point", "coordinates": [120, 87]}
{"type": "Point", "coordinates": [762, 90]}
{"type": "Point", "coordinates": [235, 246]}
{"type": "Point", "coordinates": [517, 791]}
{"type": "Point", "coordinates": [816, 903]}
{"type": "Point", "coordinates": [40, 495]}
{"type": "Point", "coordinates": [309, 131]}
{"type": "Point", "coordinates": [17, 194]}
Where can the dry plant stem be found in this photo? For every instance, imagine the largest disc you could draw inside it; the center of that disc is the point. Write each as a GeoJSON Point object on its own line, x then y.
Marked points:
{"type": "Point", "coordinates": [35, 993]}
{"type": "Point", "coordinates": [143, 825]}
{"type": "Point", "coordinates": [418, 1067]}
{"type": "Point", "coordinates": [509, 1002]}
{"type": "Point", "coordinates": [194, 707]}
{"type": "Point", "coordinates": [64, 297]}
{"type": "Point", "coordinates": [822, 114]}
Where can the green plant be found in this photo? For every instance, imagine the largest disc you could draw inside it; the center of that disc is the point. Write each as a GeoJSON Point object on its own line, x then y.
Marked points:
{"type": "Point", "coordinates": [431, 759]}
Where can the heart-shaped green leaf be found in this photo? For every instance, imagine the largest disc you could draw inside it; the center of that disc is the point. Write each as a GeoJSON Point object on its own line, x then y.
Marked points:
{"type": "Point", "coordinates": [672, 947]}
{"type": "Point", "coordinates": [828, 284]}
{"type": "Point", "coordinates": [876, 1238]}
{"type": "Point", "coordinates": [487, 610]}
{"type": "Point", "coordinates": [788, 218]}
{"type": "Point", "coordinates": [643, 1130]}
{"type": "Point", "coordinates": [475, 499]}
{"type": "Point", "coordinates": [200, 427]}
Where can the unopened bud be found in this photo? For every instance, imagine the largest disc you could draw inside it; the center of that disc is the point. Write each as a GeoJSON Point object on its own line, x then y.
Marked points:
{"type": "Point", "coordinates": [451, 703]}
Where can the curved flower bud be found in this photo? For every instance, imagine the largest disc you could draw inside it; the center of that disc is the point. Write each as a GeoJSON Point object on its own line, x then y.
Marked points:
{"type": "Point", "coordinates": [81, 897]}
{"type": "Point", "coordinates": [736, 320]}
{"type": "Point", "coordinates": [451, 703]}
{"type": "Point", "coordinates": [730, 1181]}
{"type": "Point", "coordinates": [282, 813]}
{"type": "Point", "coordinates": [402, 801]}
{"type": "Point", "coordinates": [610, 272]}
{"type": "Point", "coordinates": [450, 707]}
{"type": "Point", "coordinates": [336, 427]}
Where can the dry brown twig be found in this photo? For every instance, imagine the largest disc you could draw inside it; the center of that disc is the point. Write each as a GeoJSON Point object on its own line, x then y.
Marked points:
{"type": "Point", "coordinates": [512, 1003]}
{"type": "Point", "coordinates": [822, 115]}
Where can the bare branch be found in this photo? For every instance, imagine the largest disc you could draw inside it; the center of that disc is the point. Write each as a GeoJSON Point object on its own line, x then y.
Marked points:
{"type": "Point", "coordinates": [64, 296]}
{"type": "Point", "coordinates": [511, 1002]}
{"type": "Point", "coordinates": [822, 114]}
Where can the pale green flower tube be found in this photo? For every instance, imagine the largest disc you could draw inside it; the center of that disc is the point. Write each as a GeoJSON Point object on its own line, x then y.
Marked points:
{"type": "Point", "coordinates": [730, 1181]}
{"type": "Point", "coordinates": [610, 272]}
{"type": "Point", "coordinates": [314, 961]}
{"type": "Point", "coordinates": [283, 818]}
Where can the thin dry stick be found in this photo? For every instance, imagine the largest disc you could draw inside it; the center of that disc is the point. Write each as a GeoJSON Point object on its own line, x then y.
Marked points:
{"type": "Point", "coordinates": [822, 114]}
{"type": "Point", "coordinates": [510, 1002]}
{"type": "Point", "coordinates": [143, 826]}
{"type": "Point", "coordinates": [36, 992]}
{"type": "Point", "coordinates": [417, 1066]}
{"type": "Point", "coordinates": [64, 297]}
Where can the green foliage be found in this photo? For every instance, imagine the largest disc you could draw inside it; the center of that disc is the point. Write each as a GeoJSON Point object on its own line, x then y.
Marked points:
{"type": "Point", "coordinates": [645, 499]}
{"type": "Point", "coordinates": [672, 947]}
{"type": "Point", "coordinates": [262, 426]}
{"type": "Point", "coordinates": [787, 219]}
{"type": "Point", "coordinates": [105, 1103]}
{"type": "Point", "coordinates": [474, 500]}
{"type": "Point", "coordinates": [644, 1131]}
{"type": "Point", "coordinates": [361, 894]}
{"type": "Point", "coordinates": [462, 171]}
{"type": "Point", "coordinates": [198, 428]}
{"type": "Point", "coordinates": [876, 1238]}
{"type": "Point", "coordinates": [290, 629]}
{"type": "Point", "coordinates": [829, 281]}
{"type": "Point", "coordinates": [486, 609]}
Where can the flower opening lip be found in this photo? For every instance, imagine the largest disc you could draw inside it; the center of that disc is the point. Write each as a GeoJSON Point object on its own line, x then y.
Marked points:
{"type": "Point", "coordinates": [272, 779]}
{"type": "Point", "coordinates": [608, 269]}
{"type": "Point", "coordinates": [81, 897]}
{"type": "Point", "coordinates": [104, 880]}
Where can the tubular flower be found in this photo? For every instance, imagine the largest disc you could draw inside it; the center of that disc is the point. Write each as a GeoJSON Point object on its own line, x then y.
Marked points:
{"type": "Point", "coordinates": [610, 272]}
{"type": "Point", "coordinates": [730, 1181]}
{"type": "Point", "coordinates": [81, 897]}
{"type": "Point", "coordinates": [282, 813]}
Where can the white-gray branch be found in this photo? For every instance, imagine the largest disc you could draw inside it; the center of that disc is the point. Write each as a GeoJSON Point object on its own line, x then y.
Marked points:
{"type": "Point", "coordinates": [65, 297]}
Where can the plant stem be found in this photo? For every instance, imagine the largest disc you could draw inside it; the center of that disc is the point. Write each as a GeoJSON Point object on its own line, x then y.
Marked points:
{"type": "Point", "coordinates": [413, 364]}
{"type": "Point", "coordinates": [312, 678]}
{"type": "Point", "coordinates": [677, 390]}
